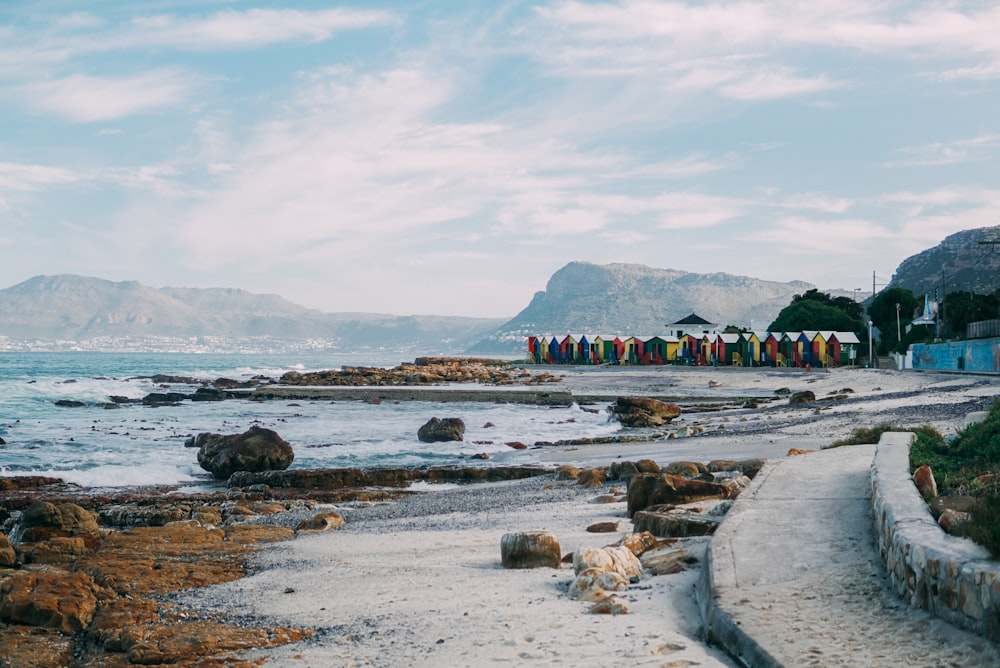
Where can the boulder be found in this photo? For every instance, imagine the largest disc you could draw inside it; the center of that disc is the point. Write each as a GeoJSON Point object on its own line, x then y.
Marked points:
{"type": "Point", "coordinates": [603, 527]}
{"type": "Point", "coordinates": [650, 489]}
{"type": "Point", "coordinates": [612, 605]}
{"type": "Point", "coordinates": [952, 519]}
{"type": "Point", "coordinates": [52, 599]}
{"type": "Point", "coordinates": [641, 542]}
{"type": "Point", "coordinates": [8, 558]}
{"type": "Point", "coordinates": [321, 522]}
{"type": "Point", "coordinates": [592, 478]}
{"type": "Point", "coordinates": [257, 449]}
{"type": "Point", "coordinates": [437, 430]}
{"type": "Point", "coordinates": [923, 478]}
{"type": "Point", "coordinates": [616, 558]}
{"type": "Point", "coordinates": [675, 523]}
{"type": "Point", "coordinates": [803, 397]}
{"type": "Point", "coordinates": [644, 412]}
{"type": "Point", "coordinates": [43, 520]}
{"type": "Point", "coordinates": [593, 583]}
{"type": "Point", "coordinates": [685, 469]}
{"type": "Point", "coordinates": [665, 562]}
{"type": "Point", "coordinates": [530, 549]}
{"type": "Point", "coordinates": [748, 467]}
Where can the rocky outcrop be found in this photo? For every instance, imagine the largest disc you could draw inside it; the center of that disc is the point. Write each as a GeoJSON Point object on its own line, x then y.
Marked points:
{"type": "Point", "coordinates": [57, 600]}
{"type": "Point", "coordinates": [644, 412]}
{"type": "Point", "coordinates": [423, 371]}
{"type": "Point", "coordinates": [257, 449]}
{"type": "Point", "coordinates": [43, 520]}
{"type": "Point", "coordinates": [437, 430]}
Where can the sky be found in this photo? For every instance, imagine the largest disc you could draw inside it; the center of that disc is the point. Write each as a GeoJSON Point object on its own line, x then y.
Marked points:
{"type": "Point", "coordinates": [448, 157]}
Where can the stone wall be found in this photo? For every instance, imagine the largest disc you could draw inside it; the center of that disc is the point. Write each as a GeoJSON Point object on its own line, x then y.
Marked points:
{"type": "Point", "coordinates": [952, 577]}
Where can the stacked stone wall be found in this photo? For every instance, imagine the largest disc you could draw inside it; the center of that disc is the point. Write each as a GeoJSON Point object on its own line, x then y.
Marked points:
{"type": "Point", "coordinates": [949, 576]}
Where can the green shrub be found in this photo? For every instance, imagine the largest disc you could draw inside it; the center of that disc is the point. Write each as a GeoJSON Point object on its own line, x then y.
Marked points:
{"type": "Point", "coordinates": [974, 452]}
{"type": "Point", "coordinates": [984, 527]}
{"type": "Point", "coordinates": [863, 435]}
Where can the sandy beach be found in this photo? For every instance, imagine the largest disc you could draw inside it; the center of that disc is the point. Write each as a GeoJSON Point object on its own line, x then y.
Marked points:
{"type": "Point", "coordinates": [419, 582]}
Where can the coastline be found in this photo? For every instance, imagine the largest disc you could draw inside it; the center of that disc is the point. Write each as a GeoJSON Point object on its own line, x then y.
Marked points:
{"type": "Point", "coordinates": [402, 575]}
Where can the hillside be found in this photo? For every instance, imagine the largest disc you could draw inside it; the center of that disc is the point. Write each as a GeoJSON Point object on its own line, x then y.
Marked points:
{"type": "Point", "coordinates": [636, 299]}
{"type": "Point", "coordinates": [80, 308]}
{"type": "Point", "coordinates": [961, 262]}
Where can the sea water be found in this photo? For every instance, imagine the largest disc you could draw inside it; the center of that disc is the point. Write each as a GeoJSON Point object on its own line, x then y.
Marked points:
{"type": "Point", "coordinates": [144, 445]}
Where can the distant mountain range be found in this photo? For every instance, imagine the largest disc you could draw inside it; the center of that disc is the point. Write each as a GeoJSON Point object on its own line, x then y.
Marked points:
{"type": "Point", "coordinates": [75, 308]}
{"type": "Point", "coordinates": [579, 298]}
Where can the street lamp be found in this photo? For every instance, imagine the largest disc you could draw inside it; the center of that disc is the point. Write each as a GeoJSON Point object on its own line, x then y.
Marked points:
{"type": "Point", "coordinates": [870, 358]}
{"type": "Point", "coordinates": [898, 335]}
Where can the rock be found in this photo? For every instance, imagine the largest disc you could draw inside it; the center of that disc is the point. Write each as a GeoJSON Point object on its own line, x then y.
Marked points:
{"type": "Point", "coordinates": [321, 522]}
{"type": "Point", "coordinates": [53, 599]}
{"type": "Point", "coordinates": [43, 520]}
{"type": "Point", "coordinates": [610, 606]}
{"type": "Point", "coordinates": [437, 430]}
{"type": "Point", "coordinates": [675, 522]}
{"type": "Point", "coordinates": [665, 562]}
{"type": "Point", "coordinates": [923, 478]}
{"type": "Point", "coordinates": [257, 449]}
{"type": "Point", "coordinates": [35, 647]}
{"type": "Point", "coordinates": [480, 455]}
{"type": "Point", "coordinates": [649, 489]}
{"type": "Point", "coordinates": [59, 550]}
{"type": "Point", "coordinates": [567, 472]}
{"type": "Point", "coordinates": [163, 398]}
{"type": "Point", "coordinates": [950, 520]}
{"type": "Point", "coordinates": [640, 542]}
{"type": "Point", "coordinates": [603, 527]}
{"type": "Point", "coordinates": [70, 403]}
{"type": "Point", "coordinates": [802, 397]}
{"type": "Point", "coordinates": [644, 412]}
{"type": "Point", "coordinates": [685, 469]}
{"type": "Point", "coordinates": [957, 502]}
{"type": "Point", "coordinates": [530, 549]}
{"type": "Point", "coordinates": [748, 467]}
{"type": "Point", "coordinates": [8, 558]}
{"type": "Point", "coordinates": [617, 558]}
{"type": "Point", "coordinates": [794, 452]}
{"type": "Point", "coordinates": [516, 445]}
{"type": "Point", "coordinates": [593, 583]}
{"type": "Point", "coordinates": [592, 478]}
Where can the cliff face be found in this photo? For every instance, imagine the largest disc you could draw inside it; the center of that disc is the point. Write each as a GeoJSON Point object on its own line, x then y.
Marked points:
{"type": "Point", "coordinates": [966, 260]}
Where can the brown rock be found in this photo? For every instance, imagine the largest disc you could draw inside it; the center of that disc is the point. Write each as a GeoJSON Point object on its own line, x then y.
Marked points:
{"type": "Point", "coordinates": [603, 527]}
{"type": "Point", "coordinates": [34, 647]}
{"type": "Point", "coordinates": [805, 396]}
{"type": "Point", "coordinates": [592, 478]}
{"type": "Point", "coordinates": [957, 502]}
{"type": "Point", "coordinates": [617, 558]}
{"type": "Point", "coordinates": [649, 489]}
{"type": "Point", "coordinates": [685, 469]}
{"type": "Point", "coordinates": [517, 445]}
{"type": "Point", "coordinates": [8, 558]}
{"type": "Point", "coordinates": [257, 449]}
{"type": "Point", "coordinates": [321, 522]}
{"type": "Point", "coordinates": [59, 550]}
{"type": "Point", "coordinates": [530, 549]}
{"type": "Point", "coordinates": [792, 452]}
{"type": "Point", "coordinates": [43, 520]}
{"type": "Point", "coordinates": [676, 523]}
{"type": "Point", "coordinates": [610, 606]}
{"type": "Point", "coordinates": [748, 467]}
{"type": "Point", "coordinates": [593, 583]}
{"type": "Point", "coordinates": [949, 520]}
{"type": "Point", "coordinates": [644, 412]}
{"type": "Point", "coordinates": [567, 473]}
{"type": "Point", "coordinates": [53, 599]}
{"type": "Point", "coordinates": [664, 562]}
{"type": "Point", "coordinates": [641, 542]}
{"type": "Point", "coordinates": [437, 430]}
{"type": "Point", "coordinates": [480, 455]}
{"type": "Point", "coordinates": [923, 478]}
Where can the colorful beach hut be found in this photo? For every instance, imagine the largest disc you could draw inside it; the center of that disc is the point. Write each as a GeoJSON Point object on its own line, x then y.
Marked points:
{"type": "Point", "coordinates": [634, 350]}
{"type": "Point", "coordinates": [655, 350]}
{"type": "Point", "coordinates": [749, 346]}
{"type": "Point", "coordinates": [769, 346]}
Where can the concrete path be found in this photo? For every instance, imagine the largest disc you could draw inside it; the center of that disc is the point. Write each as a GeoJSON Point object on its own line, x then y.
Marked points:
{"type": "Point", "coordinates": [798, 580]}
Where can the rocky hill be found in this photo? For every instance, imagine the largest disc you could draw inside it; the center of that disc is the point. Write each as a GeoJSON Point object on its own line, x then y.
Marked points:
{"type": "Point", "coordinates": [637, 299]}
{"type": "Point", "coordinates": [79, 308]}
{"type": "Point", "coordinates": [966, 260]}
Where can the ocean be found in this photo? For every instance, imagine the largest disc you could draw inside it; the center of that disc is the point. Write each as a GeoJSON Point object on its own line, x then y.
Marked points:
{"type": "Point", "coordinates": [137, 445]}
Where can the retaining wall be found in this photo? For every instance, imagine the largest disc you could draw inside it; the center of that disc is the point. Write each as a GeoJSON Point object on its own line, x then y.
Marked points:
{"type": "Point", "coordinates": [949, 576]}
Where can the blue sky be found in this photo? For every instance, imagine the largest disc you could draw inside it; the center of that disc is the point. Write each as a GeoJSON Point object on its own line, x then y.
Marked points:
{"type": "Point", "coordinates": [448, 157]}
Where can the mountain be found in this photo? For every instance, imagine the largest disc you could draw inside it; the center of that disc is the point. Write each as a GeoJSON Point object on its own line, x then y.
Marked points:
{"type": "Point", "coordinates": [637, 299]}
{"type": "Point", "coordinates": [966, 260]}
{"type": "Point", "coordinates": [80, 308]}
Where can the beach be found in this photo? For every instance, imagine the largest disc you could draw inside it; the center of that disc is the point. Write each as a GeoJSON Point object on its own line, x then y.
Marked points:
{"type": "Point", "coordinates": [419, 581]}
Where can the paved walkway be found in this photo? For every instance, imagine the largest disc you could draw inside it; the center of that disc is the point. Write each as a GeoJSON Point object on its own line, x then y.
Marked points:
{"type": "Point", "coordinates": [799, 581]}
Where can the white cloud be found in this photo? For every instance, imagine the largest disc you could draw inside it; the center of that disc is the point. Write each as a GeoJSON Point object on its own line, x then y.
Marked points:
{"type": "Point", "coordinates": [251, 28]}
{"type": "Point", "coordinates": [21, 177]}
{"type": "Point", "coordinates": [948, 153]}
{"type": "Point", "coordinates": [88, 99]}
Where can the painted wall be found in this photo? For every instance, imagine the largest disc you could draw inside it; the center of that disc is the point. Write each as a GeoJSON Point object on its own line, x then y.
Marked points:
{"type": "Point", "coordinates": [972, 355]}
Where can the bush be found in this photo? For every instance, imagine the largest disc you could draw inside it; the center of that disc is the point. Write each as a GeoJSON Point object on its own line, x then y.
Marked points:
{"type": "Point", "coordinates": [974, 452]}
{"type": "Point", "coordinates": [863, 435]}
{"type": "Point", "coordinates": [984, 527]}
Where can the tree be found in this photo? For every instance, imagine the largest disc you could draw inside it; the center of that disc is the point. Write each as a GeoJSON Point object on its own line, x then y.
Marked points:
{"type": "Point", "coordinates": [963, 307]}
{"type": "Point", "coordinates": [815, 310]}
{"type": "Point", "coordinates": [810, 314]}
{"type": "Point", "coordinates": [883, 312]}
